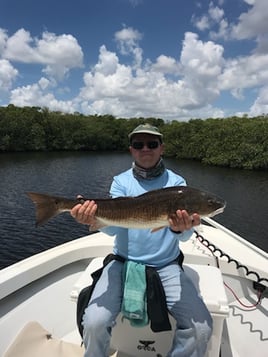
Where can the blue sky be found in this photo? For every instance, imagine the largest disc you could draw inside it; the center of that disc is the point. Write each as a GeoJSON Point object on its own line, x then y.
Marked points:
{"type": "Point", "coordinates": [171, 59]}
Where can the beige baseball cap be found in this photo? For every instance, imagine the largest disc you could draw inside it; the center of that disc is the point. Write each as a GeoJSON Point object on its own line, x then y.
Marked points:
{"type": "Point", "coordinates": [145, 129]}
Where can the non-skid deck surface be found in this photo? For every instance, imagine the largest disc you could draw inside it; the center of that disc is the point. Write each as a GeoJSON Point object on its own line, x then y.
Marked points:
{"type": "Point", "coordinates": [35, 341]}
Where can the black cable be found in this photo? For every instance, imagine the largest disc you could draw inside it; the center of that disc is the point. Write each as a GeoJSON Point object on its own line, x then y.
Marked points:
{"type": "Point", "coordinates": [215, 249]}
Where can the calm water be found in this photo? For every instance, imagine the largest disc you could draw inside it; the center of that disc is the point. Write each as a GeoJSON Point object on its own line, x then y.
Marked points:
{"type": "Point", "coordinates": [90, 174]}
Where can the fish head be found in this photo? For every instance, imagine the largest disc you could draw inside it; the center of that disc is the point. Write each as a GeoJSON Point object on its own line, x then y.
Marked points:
{"type": "Point", "coordinates": [204, 203]}
{"type": "Point", "coordinates": [215, 205]}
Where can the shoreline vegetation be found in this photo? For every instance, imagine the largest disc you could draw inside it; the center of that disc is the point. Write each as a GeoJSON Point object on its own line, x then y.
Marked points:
{"type": "Point", "coordinates": [236, 142]}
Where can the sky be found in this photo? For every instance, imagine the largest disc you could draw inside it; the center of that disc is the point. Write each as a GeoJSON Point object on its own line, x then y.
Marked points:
{"type": "Point", "coordinates": [169, 59]}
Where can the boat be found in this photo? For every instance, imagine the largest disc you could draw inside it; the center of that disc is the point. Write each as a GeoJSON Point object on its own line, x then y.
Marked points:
{"type": "Point", "coordinates": [39, 296]}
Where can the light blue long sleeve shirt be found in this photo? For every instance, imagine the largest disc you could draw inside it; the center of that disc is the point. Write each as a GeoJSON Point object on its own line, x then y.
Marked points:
{"type": "Point", "coordinates": [141, 245]}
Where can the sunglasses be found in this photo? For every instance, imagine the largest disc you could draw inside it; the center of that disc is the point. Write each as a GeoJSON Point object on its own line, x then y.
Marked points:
{"type": "Point", "coordinates": [138, 145]}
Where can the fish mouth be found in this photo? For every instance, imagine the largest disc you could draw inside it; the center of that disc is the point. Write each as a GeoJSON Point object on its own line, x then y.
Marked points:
{"type": "Point", "coordinates": [217, 211]}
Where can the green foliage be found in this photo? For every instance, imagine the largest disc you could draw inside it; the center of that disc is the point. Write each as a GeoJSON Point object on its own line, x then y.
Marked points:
{"type": "Point", "coordinates": [232, 142]}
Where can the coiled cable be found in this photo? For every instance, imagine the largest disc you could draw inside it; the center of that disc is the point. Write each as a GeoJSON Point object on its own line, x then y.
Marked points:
{"type": "Point", "coordinates": [218, 252]}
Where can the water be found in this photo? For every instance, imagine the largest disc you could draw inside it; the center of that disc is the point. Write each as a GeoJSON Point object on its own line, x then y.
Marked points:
{"type": "Point", "coordinates": [90, 174]}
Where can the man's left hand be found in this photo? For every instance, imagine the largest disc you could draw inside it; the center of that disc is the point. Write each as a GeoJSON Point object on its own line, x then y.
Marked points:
{"type": "Point", "coordinates": [182, 221]}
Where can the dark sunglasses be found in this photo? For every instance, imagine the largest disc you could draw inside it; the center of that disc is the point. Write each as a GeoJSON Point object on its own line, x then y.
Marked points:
{"type": "Point", "coordinates": [138, 145]}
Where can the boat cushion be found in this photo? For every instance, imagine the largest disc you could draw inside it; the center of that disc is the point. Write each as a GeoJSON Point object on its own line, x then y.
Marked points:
{"type": "Point", "coordinates": [33, 340]}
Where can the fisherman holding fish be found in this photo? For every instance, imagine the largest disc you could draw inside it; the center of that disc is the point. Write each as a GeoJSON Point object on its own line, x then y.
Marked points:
{"type": "Point", "coordinates": [141, 248]}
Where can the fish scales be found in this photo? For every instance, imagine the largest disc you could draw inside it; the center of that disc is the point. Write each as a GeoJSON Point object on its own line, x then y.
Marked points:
{"type": "Point", "coordinates": [135, 208]}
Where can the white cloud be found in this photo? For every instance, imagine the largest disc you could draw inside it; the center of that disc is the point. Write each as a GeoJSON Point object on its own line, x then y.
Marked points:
{"type": "Point", "coordinates": [253, 23]}
{"type": "Point", "coordinates": [108, 62]}
{"type": "Point", "coordinates": [34, 95]}
{"type": "Point", "coordinates": [107, 79]}
{"type": "Point", "coordinates": [61, 53]}
{"type": "Point", "coordinates": [202, 62]}
{"type": "Point", "coordinates": [127, 38]}
{"type": "Point", "coordinates": [44, 83]}
{"type": "Point", "coordinates": [215, 12]}
{"type": "Point", "coordinates": [202, 23]}
{"type": "Point", "coordinates": [18, 48]}
{"type": "Point", "coordinates": [212, 18]}
{"type": "Point", "coordinates": [166, 64]}
{"type": "Point", "coordinates": [58, 54]}
{"type": "Point", "coordinates": [166, 88]}
{"type": "Point", "coordinates": [207, 111]}
{"type": "Point", "coordinates": [3, 39]}
{"type": "Point", "coordinates": [127, 41]}
{"type": "Point", "coordinates": [223, 31]}
{"type": "Point", "coordinates": [260, 105]}
{"type": "Point", "coordinates": [245, 72]}
{"type": "Point", "coordinates": [8, 75]}
{"type": "Point", "coordinates": [248, 71]}
{"type": "Point", "coordinates": [135, 3]}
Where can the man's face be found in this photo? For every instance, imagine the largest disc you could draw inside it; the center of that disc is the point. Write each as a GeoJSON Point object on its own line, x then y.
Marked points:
{"type": "Point", "coordinates": [146, 150]}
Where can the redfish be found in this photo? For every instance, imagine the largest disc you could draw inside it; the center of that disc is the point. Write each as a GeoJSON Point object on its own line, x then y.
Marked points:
{"type": "Point", "coordinates": [150, 210]}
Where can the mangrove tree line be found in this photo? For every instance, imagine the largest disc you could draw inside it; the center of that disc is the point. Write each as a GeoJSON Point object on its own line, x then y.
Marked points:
{"type": "Point", "coordinates": [232, 142]}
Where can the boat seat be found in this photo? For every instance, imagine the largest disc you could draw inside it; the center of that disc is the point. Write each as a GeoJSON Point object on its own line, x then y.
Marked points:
{"type": "Point", "coordinates": [143, 341]}
{"type": "Point", "coordinates": [85, 278]}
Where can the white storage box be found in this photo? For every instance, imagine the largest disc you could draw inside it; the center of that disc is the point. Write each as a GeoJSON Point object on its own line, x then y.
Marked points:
{"type": "Point", "coordinates": [143, 342]}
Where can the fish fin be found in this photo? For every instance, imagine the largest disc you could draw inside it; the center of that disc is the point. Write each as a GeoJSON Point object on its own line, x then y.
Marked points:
{"type": "Point", "coordinates": [96, 226]}
{"type": "Point", "coordinates": [46, 207]}
{"type": "Point", "coordinates": [157, 229]}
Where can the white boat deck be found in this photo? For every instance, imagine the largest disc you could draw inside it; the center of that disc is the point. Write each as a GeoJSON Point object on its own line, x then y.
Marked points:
{"type": "Point", "coordinates": [39, 288]}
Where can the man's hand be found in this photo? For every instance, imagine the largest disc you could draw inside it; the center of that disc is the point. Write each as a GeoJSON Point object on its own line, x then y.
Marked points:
{"type": "Point", "coordinates": [181, 221]}
{"type": "Point", "coordinates": [85, 213]}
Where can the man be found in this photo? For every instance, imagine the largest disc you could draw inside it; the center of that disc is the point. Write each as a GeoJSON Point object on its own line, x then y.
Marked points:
{"type": "Point", "coordinates": [158, 249]}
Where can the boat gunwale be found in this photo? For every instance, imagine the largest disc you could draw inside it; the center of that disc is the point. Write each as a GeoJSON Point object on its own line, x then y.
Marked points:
{"type": "Point", "coordinates": [17, 275]}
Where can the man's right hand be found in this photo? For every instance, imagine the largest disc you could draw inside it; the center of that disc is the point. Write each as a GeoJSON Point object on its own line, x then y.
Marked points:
{"type": "Point", "coordinates": [85, 213]}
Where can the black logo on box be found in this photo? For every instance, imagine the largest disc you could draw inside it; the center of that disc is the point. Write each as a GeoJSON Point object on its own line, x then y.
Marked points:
{"type": "Point", "coordinates": [146, 345]}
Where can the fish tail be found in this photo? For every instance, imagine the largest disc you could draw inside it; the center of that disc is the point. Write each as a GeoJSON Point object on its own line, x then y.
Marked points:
{"type": "Point", "coordinates": [46, 207]}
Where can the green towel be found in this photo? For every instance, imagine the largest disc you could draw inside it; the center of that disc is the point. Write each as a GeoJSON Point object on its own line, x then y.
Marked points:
{"type": "Point", "coordinates": [134, 304]}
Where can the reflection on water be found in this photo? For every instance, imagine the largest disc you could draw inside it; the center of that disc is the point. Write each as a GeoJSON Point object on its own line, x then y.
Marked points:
{"type": "Point", "coordinates": [90, 174]}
